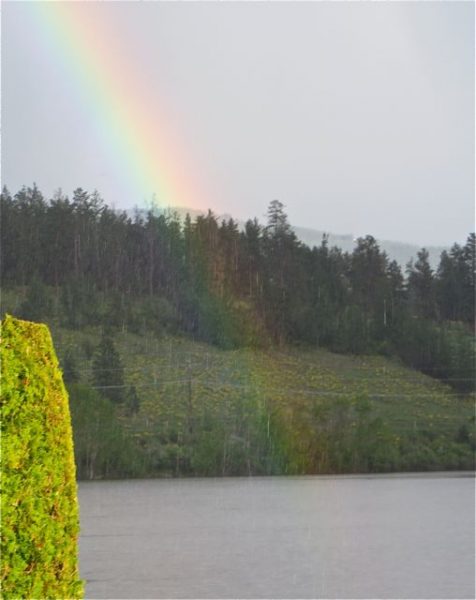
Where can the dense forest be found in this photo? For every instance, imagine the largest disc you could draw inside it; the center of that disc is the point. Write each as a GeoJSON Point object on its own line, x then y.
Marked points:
{"type": "Point", "coordinates": [76, 263]}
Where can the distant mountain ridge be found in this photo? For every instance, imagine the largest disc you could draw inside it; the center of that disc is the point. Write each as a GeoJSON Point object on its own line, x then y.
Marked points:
{"type": "Point", "coordinates": [402, 252]}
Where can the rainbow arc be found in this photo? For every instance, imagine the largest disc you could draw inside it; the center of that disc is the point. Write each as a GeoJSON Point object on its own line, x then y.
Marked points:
{"type": "Point", "coordinates": [134, 129]}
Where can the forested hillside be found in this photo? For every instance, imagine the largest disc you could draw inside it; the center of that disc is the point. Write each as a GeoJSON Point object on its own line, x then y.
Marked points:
{"type": "Point", "coordinates": [83, 267]}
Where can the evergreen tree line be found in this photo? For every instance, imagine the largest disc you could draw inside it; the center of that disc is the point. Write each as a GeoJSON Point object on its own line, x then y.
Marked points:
{"type": "Point", "coordinates": [82, 263]}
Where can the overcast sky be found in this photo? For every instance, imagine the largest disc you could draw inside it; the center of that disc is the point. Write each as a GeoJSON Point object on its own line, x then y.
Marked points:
{"type": "Point", "coordinates": [358, 116]}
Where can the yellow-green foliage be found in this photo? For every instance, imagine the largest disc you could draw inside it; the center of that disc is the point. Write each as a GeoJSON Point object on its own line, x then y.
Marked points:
{"type": "Point", "coordinates": [39, 503]}
{"type": "Point", "coordinates": [205, 411]}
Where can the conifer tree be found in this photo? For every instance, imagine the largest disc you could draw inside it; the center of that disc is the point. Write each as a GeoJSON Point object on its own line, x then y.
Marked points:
{"type": "Point", "coordinates": [421, 286]}
{"type": "Point", "coordinates": [107, 370]}
{"type": "Point", "coordinates": [70, 372]}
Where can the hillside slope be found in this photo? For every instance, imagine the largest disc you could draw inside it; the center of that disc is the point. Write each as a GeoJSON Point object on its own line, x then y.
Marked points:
{"type": "Point", "coordinates": [204, 411]}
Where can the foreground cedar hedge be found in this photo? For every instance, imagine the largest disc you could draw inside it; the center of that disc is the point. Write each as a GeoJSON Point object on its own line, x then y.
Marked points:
{"type": "Point", "coordinates": [39, 505]}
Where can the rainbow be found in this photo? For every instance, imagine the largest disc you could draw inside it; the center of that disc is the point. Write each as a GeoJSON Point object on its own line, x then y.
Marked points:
{"type": "Point", "coordinates": [135, 132]}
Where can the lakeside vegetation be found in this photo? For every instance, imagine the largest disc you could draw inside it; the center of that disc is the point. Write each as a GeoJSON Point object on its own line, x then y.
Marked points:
{"type": "Point", "coordinates": [194, 348]}
{"type": "Point", "coordinates": [206, 411]}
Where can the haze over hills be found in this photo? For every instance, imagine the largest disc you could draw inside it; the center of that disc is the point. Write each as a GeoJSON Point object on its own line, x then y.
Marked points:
{"type": "Point", "coordinates": [400, 251]}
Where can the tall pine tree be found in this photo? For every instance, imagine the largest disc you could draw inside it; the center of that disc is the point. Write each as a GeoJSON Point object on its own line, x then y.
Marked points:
{"type": "Point", "coordinates": [107, 370]}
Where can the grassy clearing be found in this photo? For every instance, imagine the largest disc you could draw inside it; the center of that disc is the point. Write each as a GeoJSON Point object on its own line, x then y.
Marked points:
{"type": "Point", "coordinates": [209, 411]}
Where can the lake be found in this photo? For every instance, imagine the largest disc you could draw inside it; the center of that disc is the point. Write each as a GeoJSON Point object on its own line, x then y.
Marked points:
{"type": "Point", "coordinates": [369, 536]}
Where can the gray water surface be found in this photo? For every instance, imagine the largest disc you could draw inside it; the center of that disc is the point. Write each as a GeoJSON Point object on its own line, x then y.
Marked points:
{"type": "Point", "coordinates": [384, 536]}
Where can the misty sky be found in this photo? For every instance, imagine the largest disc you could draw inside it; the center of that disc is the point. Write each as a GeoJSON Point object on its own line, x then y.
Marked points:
{"type": "Point", "coordinates": [358, 116]}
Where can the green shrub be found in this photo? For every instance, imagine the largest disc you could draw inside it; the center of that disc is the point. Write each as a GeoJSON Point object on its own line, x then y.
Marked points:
{"type": "Point", "coordinates": [101, 446]}
{"type": "Point", "coordinates": [39, 503]}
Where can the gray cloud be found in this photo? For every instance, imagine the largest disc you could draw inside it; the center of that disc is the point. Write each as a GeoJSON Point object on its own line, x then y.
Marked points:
{"type": "Point", "coordinates": [358, 116]}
